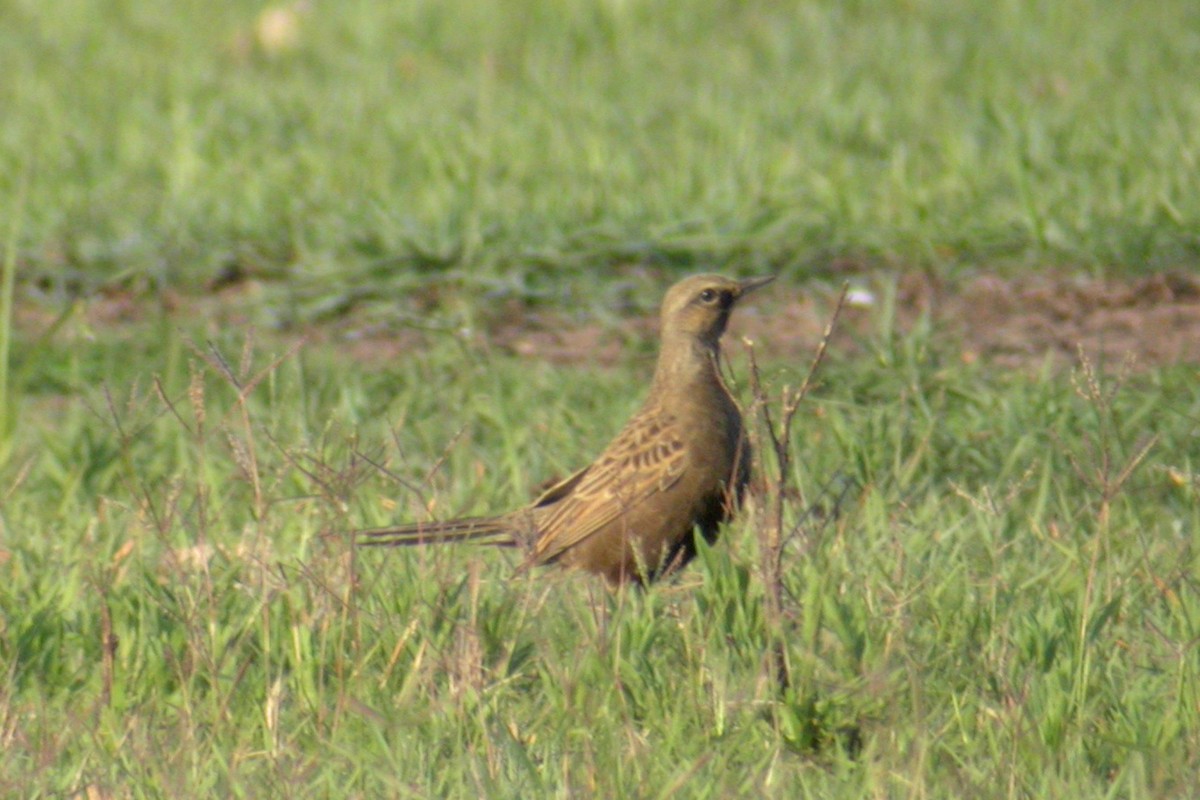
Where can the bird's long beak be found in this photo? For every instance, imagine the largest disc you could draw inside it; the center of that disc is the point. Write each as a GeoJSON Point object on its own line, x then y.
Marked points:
{"type": "Point", "coordinates": [748, 285]}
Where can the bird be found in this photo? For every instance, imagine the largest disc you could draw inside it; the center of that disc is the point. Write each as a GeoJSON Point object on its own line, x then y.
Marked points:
{"type": "Point", "coordinates": [679, 465]}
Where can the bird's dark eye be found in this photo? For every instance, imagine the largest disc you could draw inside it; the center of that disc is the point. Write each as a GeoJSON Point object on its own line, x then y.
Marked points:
{"type": "Point", "coordinates": [708, 295]}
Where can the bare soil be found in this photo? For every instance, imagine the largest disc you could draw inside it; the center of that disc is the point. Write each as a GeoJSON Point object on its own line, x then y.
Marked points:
{"type": "Point", "coordinates": [1153, 320]}
{"type": "Point", "coordinates": [1010, 322]}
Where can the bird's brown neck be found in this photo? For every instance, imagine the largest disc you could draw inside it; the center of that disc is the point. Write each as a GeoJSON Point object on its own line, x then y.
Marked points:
{"type": "Point", "coordinates": [687, 364]}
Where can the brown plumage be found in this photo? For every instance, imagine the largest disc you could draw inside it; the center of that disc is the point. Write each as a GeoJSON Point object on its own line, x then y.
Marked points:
{"type": "Point", "coordinates": [679, 464]}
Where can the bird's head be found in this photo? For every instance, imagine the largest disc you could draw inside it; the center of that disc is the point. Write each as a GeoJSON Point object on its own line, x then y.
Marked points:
{"type": "Point", "coordinates": [699, 306]}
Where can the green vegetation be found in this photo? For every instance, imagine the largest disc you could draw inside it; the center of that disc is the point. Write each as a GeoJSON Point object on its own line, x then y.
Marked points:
{"type": "Point", "coordinates": [993, 589]}
{"type": "Point", "coordinates": [392, 140]}
{"type": "Point", "coordinates": [982, 607]}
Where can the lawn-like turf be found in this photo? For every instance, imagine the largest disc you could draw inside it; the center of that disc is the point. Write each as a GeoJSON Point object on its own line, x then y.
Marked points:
{"type": "Point", "coordinates": [978, 605]}
{"type": "Point", "coordinates": [993, 588]}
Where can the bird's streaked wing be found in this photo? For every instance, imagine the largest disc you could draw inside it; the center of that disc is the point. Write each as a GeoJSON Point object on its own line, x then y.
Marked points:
{"type": "Point", "coordinates": [648, 457]}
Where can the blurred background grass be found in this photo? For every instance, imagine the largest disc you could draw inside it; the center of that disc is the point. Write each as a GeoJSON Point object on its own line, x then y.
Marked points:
{"type": "Point", "coordinates": [337, 144]}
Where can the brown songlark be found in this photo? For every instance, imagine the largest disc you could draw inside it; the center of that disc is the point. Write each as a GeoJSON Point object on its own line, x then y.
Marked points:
{"type": "Point", "coordinates": [680, 463]}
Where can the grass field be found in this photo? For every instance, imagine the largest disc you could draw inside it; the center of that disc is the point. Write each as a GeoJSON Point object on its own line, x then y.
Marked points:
{"type": "Point", "coordinates": [389, 143]}
{"type": "Point", "coordinates": [255, 270]}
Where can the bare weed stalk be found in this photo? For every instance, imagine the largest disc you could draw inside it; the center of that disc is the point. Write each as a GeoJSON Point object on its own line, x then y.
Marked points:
{"type": "Point", "coordinates": [244, 449]}
{"type": "Point", "coordinates": [777, 488]}
{"type": "Point", "coordinates": [1104, 469]}
{"type": "Point", "coordinates": [1098, 464]}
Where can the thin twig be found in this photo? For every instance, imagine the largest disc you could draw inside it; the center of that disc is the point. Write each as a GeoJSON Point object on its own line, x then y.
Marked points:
{"type": "Point", "coordinates": [777, 488]}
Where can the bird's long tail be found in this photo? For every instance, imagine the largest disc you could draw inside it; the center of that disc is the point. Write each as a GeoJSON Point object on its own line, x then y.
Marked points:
{"type": "Point", "coordinates": [497, 531]}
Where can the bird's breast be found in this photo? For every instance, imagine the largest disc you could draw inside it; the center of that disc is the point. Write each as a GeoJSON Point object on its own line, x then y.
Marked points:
{"type": "Point", "coordinates": [714, 427]}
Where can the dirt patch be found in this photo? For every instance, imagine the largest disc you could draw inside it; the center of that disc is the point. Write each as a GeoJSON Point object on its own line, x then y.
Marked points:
{"type": "Point", "coordinates": [1155, 320]}
{"type": "Point", "coordinates": [1010, 322]}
